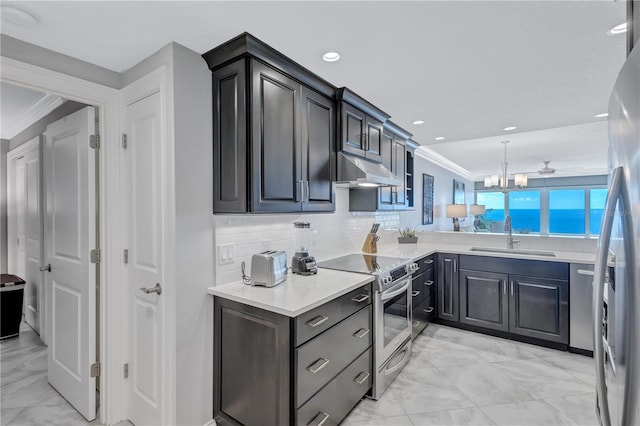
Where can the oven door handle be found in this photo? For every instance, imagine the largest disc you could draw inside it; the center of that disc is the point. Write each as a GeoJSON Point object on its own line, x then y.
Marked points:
{"type": "Point", "coordinates": [395, 290]}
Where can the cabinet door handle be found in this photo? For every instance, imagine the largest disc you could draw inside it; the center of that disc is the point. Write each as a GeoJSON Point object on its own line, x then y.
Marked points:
{"type": "Point", "coordinates": [512, 288]}
{"type": "Point", "coordinates": [455, 265]}
{"type": "Point", "coordinates": [360, 378]}
{"type": "Point", "coordinates": [314, 322]}
{"type": "Point", "coordinates": [306, 195]}
{"type": "Point", "coordinates": [319, 419]}
{"type": "Point", "coordinates": [414, 293]}
{"type": "Point", "coordinates": [360, 298]}
{"type": "Point", "coordinates": [428, 282]}
{"type": "Point", "coordinates": [428, 261]}
{"type": "Point", "coordinates": [504, 288]}
{"type": "Point", "coordinates": [429, 309]}
{"type": "Point", "coordinates": [318, 365]}
{"type": "Point", "coordinates": [361, 333]}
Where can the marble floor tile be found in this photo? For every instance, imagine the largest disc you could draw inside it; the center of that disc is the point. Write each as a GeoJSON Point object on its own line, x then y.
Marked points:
{"type": "Point", "coordinates": [425, 390]}
{"type": "Point", "coordinates": [23, 392]}
{"type": "Point", "coordinates": [49, 416]}
{"type": "Point", "coordinates": [386, 406]}
{"type": "Point", "coordinates": [579, 408]}
{"type": "Point", "coordinates": [533, 413]}
{"type": "Point", "coordinates": [8, 414]}
{"type": "Point", "coordinates": [381, 421]}
{"type": "Point", "coordinates": [579, 366]}
{"type": "Point", "coordinates": [463, 417]}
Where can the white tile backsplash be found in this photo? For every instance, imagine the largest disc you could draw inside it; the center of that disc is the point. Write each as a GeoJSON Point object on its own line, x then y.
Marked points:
{"type": "Point", "coordinates": [337, 233]}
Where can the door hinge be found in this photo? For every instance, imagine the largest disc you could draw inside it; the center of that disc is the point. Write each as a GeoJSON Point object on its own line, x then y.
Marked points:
{"type": "Point", "coordinates": [125, 255]}
{"type": "Point", "coordinates": [125, 370]}
{"type": "Point", "coordinates": [124, 141]}
{"type": "Point", "coordinates": [95, 255]}
{"type": "Point", "coordinates": [95, 369]}
{"type": "Point", "coordinates": [94, 141]}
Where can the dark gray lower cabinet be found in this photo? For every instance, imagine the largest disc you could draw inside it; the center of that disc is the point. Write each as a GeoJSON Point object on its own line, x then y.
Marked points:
{"type": "Point", "coordinates": [448, 288]}
{"type": "Point", "coordinates": [483, 299]}
{"type": "Point", "coordinates": [269, 371]}
{"type": "Point", "coordinates": [539, 308]}
{"type": "Point", "coordinates": [423, 295]}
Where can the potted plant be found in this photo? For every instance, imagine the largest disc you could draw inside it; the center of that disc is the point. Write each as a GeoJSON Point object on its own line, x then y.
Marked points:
{"type": "Point", "coordinates": [407, 235]}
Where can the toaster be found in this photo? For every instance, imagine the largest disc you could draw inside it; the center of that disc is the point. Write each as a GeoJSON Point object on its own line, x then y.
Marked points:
{"type": "Point", "coordinates": [268, 268]}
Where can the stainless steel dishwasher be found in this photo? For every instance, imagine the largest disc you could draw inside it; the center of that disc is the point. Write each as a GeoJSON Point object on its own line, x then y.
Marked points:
{"type": "Point", "coordinates": [581, 306]}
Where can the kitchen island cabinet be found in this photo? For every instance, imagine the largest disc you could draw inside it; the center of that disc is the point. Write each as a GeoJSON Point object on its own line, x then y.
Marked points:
{"type": "Point", "coordinates": [295, 362]}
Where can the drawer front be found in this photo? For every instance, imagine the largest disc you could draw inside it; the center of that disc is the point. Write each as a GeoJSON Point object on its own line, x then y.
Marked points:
{"type": "Point", "coordinates": [319, 360]}
{"type": "Point", "coordinates": [424, 311]}
{"type": "Point", "coordinates": [425, 263]}
{"type": "Point", "coordinates": [417, 291]}
{"type": "Point", "coordinates": [314, 322]}
{"type": "Point", "coordinates": [339, 397]}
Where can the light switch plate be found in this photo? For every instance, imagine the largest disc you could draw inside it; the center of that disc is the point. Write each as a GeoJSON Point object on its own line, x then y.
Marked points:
{"type": "Point", "coordinates": [226, 254]}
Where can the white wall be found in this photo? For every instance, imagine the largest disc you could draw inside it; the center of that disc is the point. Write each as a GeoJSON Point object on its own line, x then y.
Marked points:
{"type": "Point", "coordinates": [442, 195]}
{"type": "Point", "coordinates": [4, 148]}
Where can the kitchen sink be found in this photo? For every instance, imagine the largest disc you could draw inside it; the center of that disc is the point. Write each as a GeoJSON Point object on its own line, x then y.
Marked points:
{"type": "Point", "coordinates": [514, 251]}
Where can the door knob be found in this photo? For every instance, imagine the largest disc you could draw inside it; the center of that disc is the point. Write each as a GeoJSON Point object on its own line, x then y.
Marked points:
{"type": "Point", "coordinates": [45, 268]}
{"type": "Point", "coordinates": [157, 289]}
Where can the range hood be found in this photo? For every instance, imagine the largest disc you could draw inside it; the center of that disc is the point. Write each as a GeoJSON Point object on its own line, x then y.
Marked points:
{"type": "Point", "coordinates": [358, 172]}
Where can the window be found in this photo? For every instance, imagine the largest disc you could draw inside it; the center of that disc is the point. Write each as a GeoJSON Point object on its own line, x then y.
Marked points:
{"type": "Point", "coordinates": [566, 211]}
{"type": "Point", "coordinates": [524, 208]}
{"type": "Point", "coordinates": [597, 198]}
{"type": "Point", "coordinates": [494, 205]}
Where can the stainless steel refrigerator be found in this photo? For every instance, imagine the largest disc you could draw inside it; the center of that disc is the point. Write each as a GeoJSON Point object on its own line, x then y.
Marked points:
{"type": "Point", "coordinates": [617, 269]}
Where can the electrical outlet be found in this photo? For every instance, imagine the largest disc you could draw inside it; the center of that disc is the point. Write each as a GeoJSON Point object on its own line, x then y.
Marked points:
{"type": "Point", "coordinates": [226, 254]}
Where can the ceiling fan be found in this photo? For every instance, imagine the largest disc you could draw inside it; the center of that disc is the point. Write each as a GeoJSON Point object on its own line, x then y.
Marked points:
{"type": "Point", "coordinates": [546, 170]}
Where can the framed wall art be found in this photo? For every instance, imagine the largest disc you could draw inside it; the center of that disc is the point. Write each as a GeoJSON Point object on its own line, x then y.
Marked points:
{"type": "Point", "coordinates": [427, 199]}
{"type": "Point", "coordinates": [458, 192]}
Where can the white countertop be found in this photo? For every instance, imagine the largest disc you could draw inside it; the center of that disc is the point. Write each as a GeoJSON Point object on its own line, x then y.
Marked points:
{"type": "Point", "coordinates": [416, 251]}
{"type": "Point", "coordinates": [297, 294]}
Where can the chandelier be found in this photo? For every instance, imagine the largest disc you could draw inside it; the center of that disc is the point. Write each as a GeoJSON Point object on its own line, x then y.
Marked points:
{"type": "Point", "coordinates": [502, 182]}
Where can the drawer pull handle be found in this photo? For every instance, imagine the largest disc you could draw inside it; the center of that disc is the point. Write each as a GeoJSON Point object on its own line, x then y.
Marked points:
{"type": "Point", "coordinates": [319, 419]}
{"type": "Point", "coordinates": [361, 333]}
{"type": "Point", "coordinates": [429, 309]}
{"type": "Point", "coordinates": [318, 365]}
{"type": "Point", "coordinates": [314, 322]}
{"type": "Point", "coordinates": [360, 379]}
{"type": "Point", "coordinates": [414, 293]}
{"type": "Point", "coordinates": [428, 282]}
{"type": "Point", "coordinates": [360, 298]}
{"type": "Point", "coordinates": [416, 323]}
{"type": "Point", "coordinates": [428, 261]}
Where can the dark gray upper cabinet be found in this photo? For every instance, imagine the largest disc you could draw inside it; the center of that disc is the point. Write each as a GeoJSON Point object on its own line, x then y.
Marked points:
{"type": "Point", "coordinates": [361, 126]}
{"type": "Point", "coordinates": [484, 299]}
{"type": "Point", "coordinates": [274, 132]}
{"type": "Point", "coordinates": [448, 289]}
{"type": "Point", "coordinates": [394, 149]}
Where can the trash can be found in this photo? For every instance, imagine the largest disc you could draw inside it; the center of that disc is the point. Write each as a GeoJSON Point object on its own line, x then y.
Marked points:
{"type": "Point", "coordinates": [11, 296]}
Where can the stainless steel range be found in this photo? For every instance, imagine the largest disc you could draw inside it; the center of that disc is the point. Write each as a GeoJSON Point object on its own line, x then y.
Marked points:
{"type": "Point", "coordinates": [391, 311]}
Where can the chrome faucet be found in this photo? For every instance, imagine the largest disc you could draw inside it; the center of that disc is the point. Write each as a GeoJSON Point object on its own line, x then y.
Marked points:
{"type": "Point", "coordinates": [508, 227]}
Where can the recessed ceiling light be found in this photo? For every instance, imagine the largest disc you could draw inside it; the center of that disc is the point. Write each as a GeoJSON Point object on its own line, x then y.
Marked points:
{"type": "Point", "coordinates": [417, 122]}
{"type": "Point", "coordinates": [603, 115]}
{"type": "Point", "coordinates": [440, 138]}
{"type": "Point", "coordinates": [331, 56]}
{"type": "Point", "coordinates": [618, 29]}
{"type": "Point", "coordinates": [18, 16]}
{"type": "Point", "coordinates": [510, 128]}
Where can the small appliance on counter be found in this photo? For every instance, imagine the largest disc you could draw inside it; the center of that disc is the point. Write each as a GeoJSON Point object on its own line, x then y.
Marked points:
{"type": "Point", "coordinates": [302, 262]}
{"type": "Point", "coordinates": [268, 268]}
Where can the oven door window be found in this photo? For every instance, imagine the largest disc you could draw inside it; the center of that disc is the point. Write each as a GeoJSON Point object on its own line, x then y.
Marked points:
{"type": "Point", "coordinates": [396, 317]}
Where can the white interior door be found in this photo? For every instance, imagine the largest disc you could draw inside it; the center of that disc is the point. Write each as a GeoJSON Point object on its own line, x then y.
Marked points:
{"type": "Point", "coordinates": [25, 225]}
{"type": "Point", "coordinates": [70, 235]}
{"type": "Point", "coordinates": [144, 269]}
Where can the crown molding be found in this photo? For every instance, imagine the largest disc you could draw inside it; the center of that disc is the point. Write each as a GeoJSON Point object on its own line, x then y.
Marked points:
{"type": "Point", "coordinates": [35, 112]}
{"type": "Point", "coordinates": [441, 161]}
